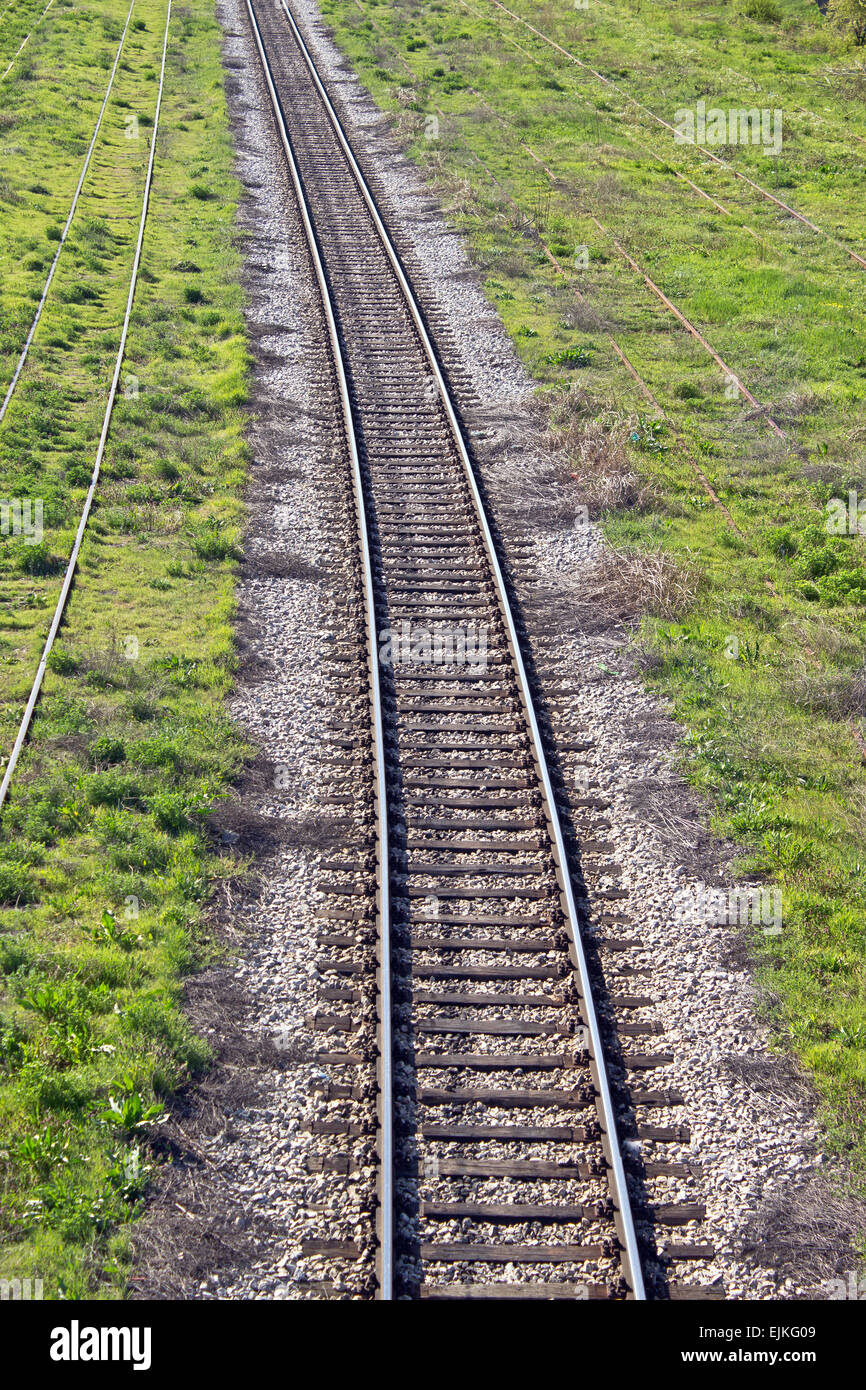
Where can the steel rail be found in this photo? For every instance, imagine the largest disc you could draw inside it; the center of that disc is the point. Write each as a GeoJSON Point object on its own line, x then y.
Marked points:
{"type": "Point", "coordinates": [25, 42]}
{"type": "Point", "coordinates": [72, 563]}
{"type": "Point", "coordinates": [385, 1262]}
{"type": "Point", "coordinates": [47, 286]}
{"type": "Point", "coordinates": [610, 1140]}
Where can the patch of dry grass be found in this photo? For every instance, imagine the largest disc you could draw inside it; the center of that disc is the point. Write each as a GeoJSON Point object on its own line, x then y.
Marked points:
{"type": "Point", "coordinates": [597, 455]}
{"type": "Point", "coordinates": [841, 694]}
{"type": "Point", "coordinates": [627, 585]}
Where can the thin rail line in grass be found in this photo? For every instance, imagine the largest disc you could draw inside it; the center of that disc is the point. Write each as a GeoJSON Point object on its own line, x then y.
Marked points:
{"type": "Point", "coordinates": [46, 287]}
{"type": "Point", "coordinates": [695, 332]}
{"type": "Point", "coordinates": [690, 328]}
{"type": "Point", "coordinates": [668, 303]}
{"type": "Point", "coordinates": [557, 265]}
{"type": "Point", "coordinates": [26, 41]}
{"type": "Point", "coordinates": [91, 491]}
{"type": "Point", "coordinates": [631, 369]}
{"type": "Point", "coordinates": [723, 164]}
{"type": "Point", "coordinates": [666, 165]}
{"type": "Point", "coordinates": [651, 285]}
{"type": "Point", "coordinates": [629, 366]}
{"type": "Point", "coordinates": [801, 110]}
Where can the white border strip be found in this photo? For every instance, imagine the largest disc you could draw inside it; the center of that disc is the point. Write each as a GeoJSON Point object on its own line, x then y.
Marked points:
{"type": "Point", "coordinates": [88, 501]}
{"type": "Point", "coordinates": [41, 305]}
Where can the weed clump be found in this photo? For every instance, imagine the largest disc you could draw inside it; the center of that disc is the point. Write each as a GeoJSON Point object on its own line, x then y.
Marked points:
{"type": "Point", "coordinates": [627, 585]}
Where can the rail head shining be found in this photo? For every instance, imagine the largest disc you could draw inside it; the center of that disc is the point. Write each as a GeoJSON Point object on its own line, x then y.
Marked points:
{"type": "Point", "coordinates": [617, 1177]}
{"type": "Point", "coordinates": [385, 1262]}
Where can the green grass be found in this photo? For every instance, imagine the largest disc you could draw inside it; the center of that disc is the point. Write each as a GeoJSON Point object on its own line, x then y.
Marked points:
{"type": "Point", "coordinates": [543, 168]}
{"type": "Point", "coordinates": [106, 862]}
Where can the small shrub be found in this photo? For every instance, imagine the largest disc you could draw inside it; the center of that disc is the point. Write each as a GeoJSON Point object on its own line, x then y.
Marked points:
{"type": "Point", "coordinates": [61, 661]}
{"type": "Point", "coordinates": [111, 789]}
{"type": "Point", "coordinates": [78, 475]}
{"type": "Point", "coordinates": [210, 541]}
{"type": "Point", "coordinates": [850, 17]}
{"type": "Point", "coordinates": [105, 751]}
{"type": "Point", "coordinates": [38, 560]}
{"type": "Point", "coordinates": [141, 706]}
{"type": "Point", "coordinates": [782, 544]}
{"type": "Point", "coordinates": [767, 11]}
{"type": "Point", "coordinates": [169, 809]}
{"type": "Point", "coordinates": [47, 815]}
{"type": "Point", "coordinates": [816, 561]}
{"type": "Point", "coordinates": [16, 885]}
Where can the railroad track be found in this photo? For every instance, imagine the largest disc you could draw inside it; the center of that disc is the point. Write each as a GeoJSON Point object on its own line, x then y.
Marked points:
{"type": "Point", "coordinates": [34, 324]}
{"type": "Point", "coordinates": [499, 1163]}
{"type": "Point", "coordinates": [84, 515]}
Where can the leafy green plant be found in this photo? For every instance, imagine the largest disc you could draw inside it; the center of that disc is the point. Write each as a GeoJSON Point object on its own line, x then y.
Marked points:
{"type": "Point", "coordinates": [850, 17]}
{"type": "Point", "coordinates": [649, 436]}
{"type": "Point", "coordinates": [38, 560]}
{"type": "Point", "coordinates": [128, 1112]}
{"type": "Point", "coordinates": [570, 357]}
{"type": "Point", "coordinates": [106, 751]}
{"type": "Point", "coordinates": [782, 543]}
{"type": "Point", "coordinates": [61, 660]}
{"type": "Point", "coordinates": [210, 540]}
{"type": "Point", "coordinates": [16, 884]}
{"type": "Point", "coordinates": [109, 932]}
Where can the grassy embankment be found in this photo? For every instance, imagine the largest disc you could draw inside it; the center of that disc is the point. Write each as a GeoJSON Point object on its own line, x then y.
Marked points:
{"type": "Point", "coordinates": [764, 668]}
{"type": "Point", "coordinates": [105, 863]}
